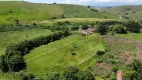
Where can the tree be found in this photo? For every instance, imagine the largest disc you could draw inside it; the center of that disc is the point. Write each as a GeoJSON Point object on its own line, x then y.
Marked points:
{"type": "Point", "coordinates": [120, 29]}
{"type": "Point", "coordinates": [16, 63]}
{"type": "Point", "coordinates": [135, 71]}
{"type": "Point", "coordinates": [17, 21]}
{"type": "Point", "coordinates": [63, 16]}
{"type": "Point", "coordinates": [133, 26]}
{"type": "Point", "coordinates": [99, 53]}
{"type": "Point", "coordinates": [34, 24]}
{"type": "Point", "coordinates": [84, 27]}
{"type": "Point", "coordinates": [75, 28]}
{"type": "Point", "coordinates": [3, 64]}
{"type": "Point", "coordinates": [88, 6]}
{"type": "Point", "coordinates": [70, 73]}
{"type": "Point", "coordinates": [85, 75]}
{"type": "Point", "coordinates": [102, 29]}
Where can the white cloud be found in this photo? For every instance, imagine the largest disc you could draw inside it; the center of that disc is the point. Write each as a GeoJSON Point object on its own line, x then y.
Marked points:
{"type": "Point", "coordinates": [123, 1]}
{"type": "Point", "coordinates": [75, 1]}
{"type": "Point", "coordinates": [90, 2]}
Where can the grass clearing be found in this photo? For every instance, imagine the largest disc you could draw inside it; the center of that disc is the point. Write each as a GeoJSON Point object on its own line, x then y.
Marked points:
{"type": "Point", "coordinates": [13, 37]}
{"type": "Point", "coordinates": [59, 54]}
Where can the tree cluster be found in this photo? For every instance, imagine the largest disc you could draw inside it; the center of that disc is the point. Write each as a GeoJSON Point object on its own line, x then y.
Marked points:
{"type": "Point", "coordinates": [135, 71]}
{"type": "Point", "coordinates": [133, 26]}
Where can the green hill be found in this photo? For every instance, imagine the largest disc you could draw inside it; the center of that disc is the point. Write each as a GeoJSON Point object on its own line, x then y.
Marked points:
{"type": "Point", "coordinates": [27, 12]}
{"type": "Point", "coordinates": [127, 12]}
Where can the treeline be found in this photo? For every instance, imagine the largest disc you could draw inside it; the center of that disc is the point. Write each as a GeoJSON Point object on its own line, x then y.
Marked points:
{"type": "Point", "coordinates": [13, 59]}
{"type": "Point", "coordinates": [118, 27]}
{"type": "Point", "coordinates": [69, 73]}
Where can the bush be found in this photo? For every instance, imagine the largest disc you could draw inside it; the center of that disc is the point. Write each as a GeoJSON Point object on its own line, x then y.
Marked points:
{"type": "Point", "coordinates": [16, 63]}
{"type": "Point", "coordinates": [85, 75]}
{"type": "Point", "coordinates": [84, 27]}
{"type": "Point", "coordinates": [70, 73]}
{"type": "Point", "coordinates": [99, 53]}
{"type": "Point", "coordinates": [115, 69]}
{"type": "Point", "coordinates": [135, 70]}
{"type": "Point", "coordinates": [53, 76]}
{"type": "Point", "coordinates": [74, 28]}
{"type": "Point", "coordinates": [133, 26]}
{"type": "Point", "coordinates": [102, 29]}
{"type": "Point", "coordinates": [120, 29]}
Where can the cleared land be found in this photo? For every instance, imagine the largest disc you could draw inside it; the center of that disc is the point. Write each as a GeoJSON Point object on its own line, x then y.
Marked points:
{"type": "Point", "coordinates": [75, 50]}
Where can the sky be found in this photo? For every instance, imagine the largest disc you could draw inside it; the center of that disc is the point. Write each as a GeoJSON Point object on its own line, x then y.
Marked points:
{"type": "Point", "coordinates": [91, 2]}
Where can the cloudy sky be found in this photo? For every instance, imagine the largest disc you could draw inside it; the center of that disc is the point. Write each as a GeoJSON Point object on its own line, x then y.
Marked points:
{"type": "Point", "coordinates": [92, 2]}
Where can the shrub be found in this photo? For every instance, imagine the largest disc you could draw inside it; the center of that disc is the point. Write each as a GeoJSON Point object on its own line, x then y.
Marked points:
{"type": "Point", "coordinates": [135, 70]}
{"type": "Point", "coordinates": [115, 69]}
{"type": "Point", "coordinates": [34, 24]}
{"type": "Point", "coordinates": [53, 76]}
{"type": "Point", "coordinates": [84, 27]}
{"type": "Point", "coordinates": [102, 29]}
{"type": "Point", "coordinates": [85, 75]}
{"type": "Point", "coordinates": [16, 63]}
{"type": "Point", "coordinates": [70, 73]}
{"type": "Point", "coordinates": [75, 28]}
{"type": "Point", "coordinates": [63, 16]}
{"type": "Point", "coordinates": [120, 29]}
{"type": "Point", "coordinates": [100, 59]}
{"type": "Point", "coordinates": [99, 53]}
{"type": "Point", "coordinates": [133, 26]}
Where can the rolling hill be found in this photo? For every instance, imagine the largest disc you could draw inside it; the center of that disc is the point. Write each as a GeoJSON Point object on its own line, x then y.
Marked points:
{"type": "Point", "coordinates": [26, 12]}
{"type": "Point", "coordinates": [127, 12]}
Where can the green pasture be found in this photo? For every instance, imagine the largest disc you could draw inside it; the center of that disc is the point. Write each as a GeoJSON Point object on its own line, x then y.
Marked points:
{"type": "Point", "coordinates": [57, 55]}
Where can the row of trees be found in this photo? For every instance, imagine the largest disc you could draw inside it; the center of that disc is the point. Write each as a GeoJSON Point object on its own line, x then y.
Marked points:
{"type": "Point", "coordinates": [69, 73]}
{"type": "Point", "coordinates": [13, 59]}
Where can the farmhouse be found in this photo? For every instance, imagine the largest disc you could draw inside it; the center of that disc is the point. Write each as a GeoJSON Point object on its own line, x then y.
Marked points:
{"type": "Point", "coordinates": [88, 31]}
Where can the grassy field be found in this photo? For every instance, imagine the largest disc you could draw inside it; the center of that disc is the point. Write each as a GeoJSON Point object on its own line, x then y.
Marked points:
{"type": "Point", "coordinates": [75, 50]}
{"type": "Point", "coordinates": [14, 37]}
{"type": "Point", "coordinates": [27, 12]}
{"type": "Point", "coordinates": [134, 36]}
{"type": "Point", "coordinates": [7, 76]}
{"type": "Point", "coordinates": [75, 20]}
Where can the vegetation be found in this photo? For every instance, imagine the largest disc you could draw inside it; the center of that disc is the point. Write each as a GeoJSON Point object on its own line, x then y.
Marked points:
{"type": "Point", "coordinates": [120, 29]}
{"type": "Point", "coordinates": [37, 43]}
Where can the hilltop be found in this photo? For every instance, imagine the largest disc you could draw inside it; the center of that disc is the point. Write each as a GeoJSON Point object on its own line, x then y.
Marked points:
{"type": "Point", "coordinates": [127, 12]}
{"type": "Point", "coordinates": [27, 12]}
